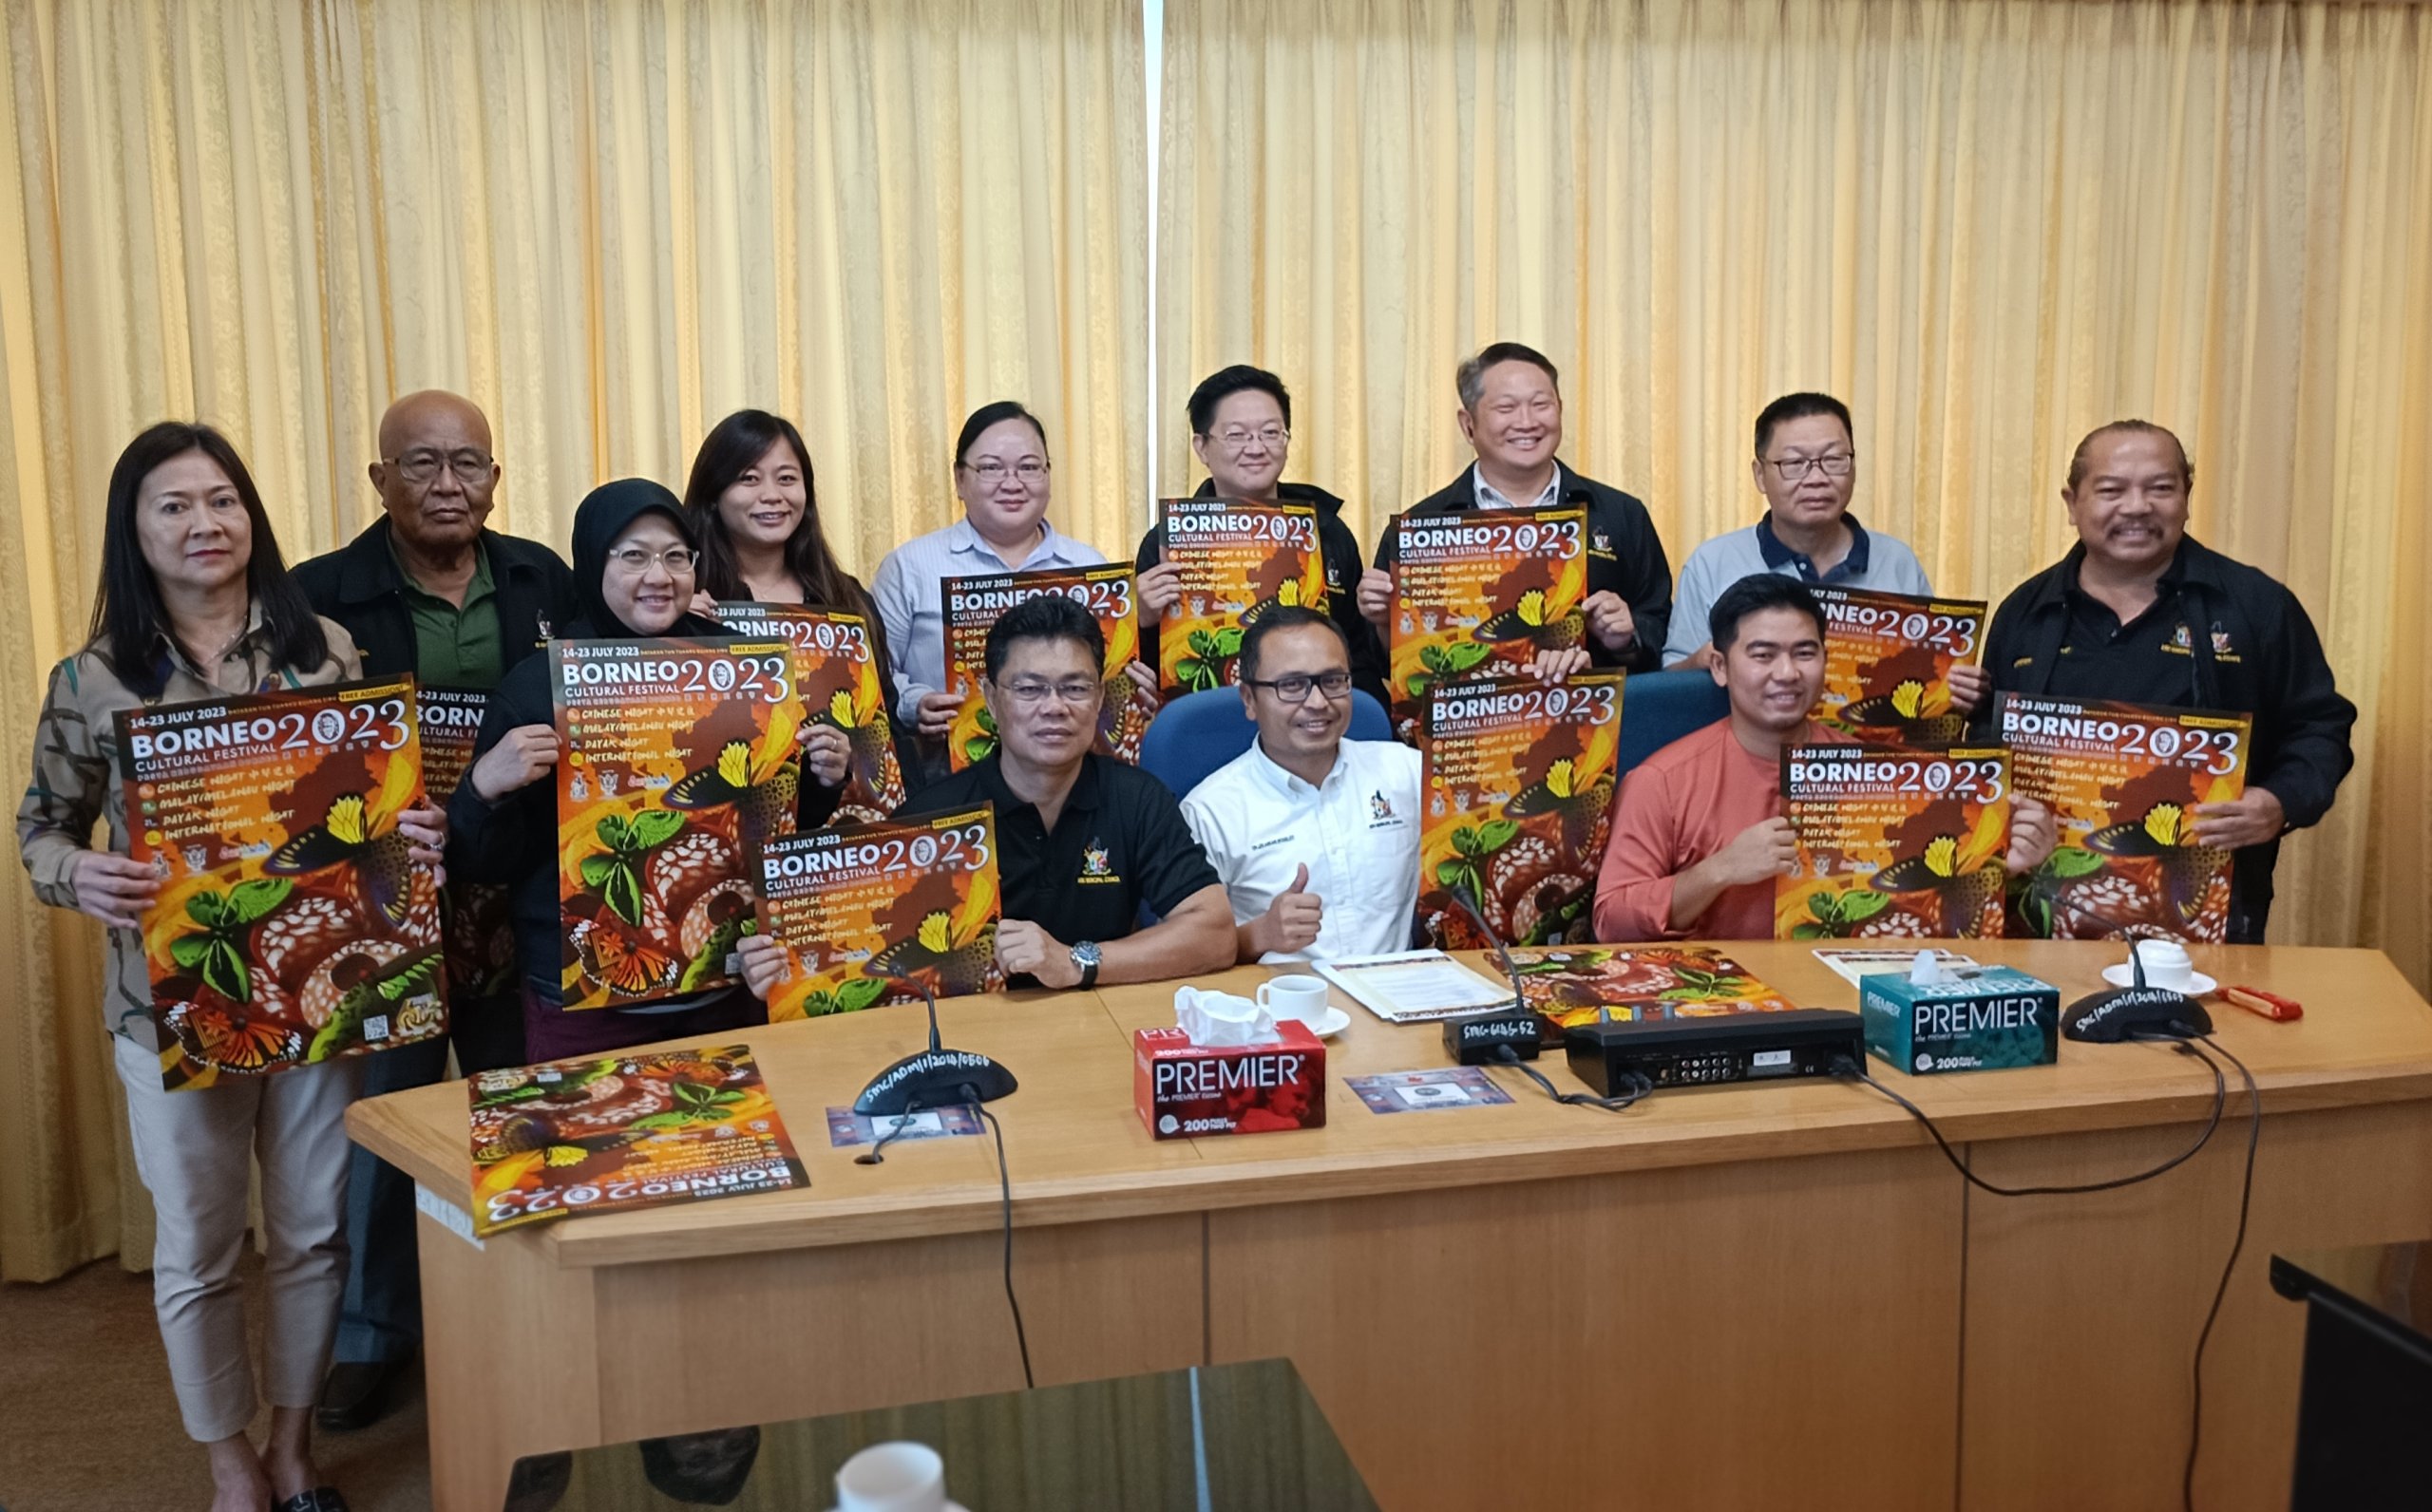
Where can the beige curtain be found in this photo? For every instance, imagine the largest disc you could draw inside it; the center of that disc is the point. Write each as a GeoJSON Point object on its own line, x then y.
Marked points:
{"type": "Point", "coordinates": [610, 223]}
{"type": "Point", "coordinates": [1989, 225]}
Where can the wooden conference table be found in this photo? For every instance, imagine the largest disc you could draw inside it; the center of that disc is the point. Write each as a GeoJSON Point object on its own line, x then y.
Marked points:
{"type": "Point", "coordinates": [1748, 1297]}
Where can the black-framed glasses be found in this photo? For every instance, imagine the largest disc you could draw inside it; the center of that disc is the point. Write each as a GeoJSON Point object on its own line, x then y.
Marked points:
{"type": "Point", "coordinates": [1835, 464]}
{"type": "Point", "coordinates": [1293, 688]}
{"type": "Point", "coordinates": [420, 465]}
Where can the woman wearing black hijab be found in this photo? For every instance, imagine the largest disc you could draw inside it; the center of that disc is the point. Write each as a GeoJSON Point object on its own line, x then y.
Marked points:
{"type": "Point", "coordinates": [632, 569]}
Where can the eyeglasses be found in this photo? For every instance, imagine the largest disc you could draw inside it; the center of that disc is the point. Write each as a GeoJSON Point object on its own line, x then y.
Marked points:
{"type": "Point", "coordinates": [1835, 464]}
{"type": "Point", "coordinates": [1031, 692]}
{"type": "Point", "coordinates": [420, 465]}
{"type": "Point", "coordinates": [1293, 688]}
{"type": "Point", "coordinates": [634, 559]}
{"type": "Point", "coordinates": [1032, 471]}
{"type": "Point", "coordinates": [1235, 439]}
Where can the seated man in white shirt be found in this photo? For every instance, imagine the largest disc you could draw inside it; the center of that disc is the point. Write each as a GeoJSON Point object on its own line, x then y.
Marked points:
{"type": "Point", "coordinates": [1315, 837]}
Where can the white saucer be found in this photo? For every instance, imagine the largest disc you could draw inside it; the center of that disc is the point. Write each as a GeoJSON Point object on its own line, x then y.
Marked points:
{"type": "Point", "coordinates": [1328, 1024]}
{"type": "Point", "coordinates": [2121, 976]}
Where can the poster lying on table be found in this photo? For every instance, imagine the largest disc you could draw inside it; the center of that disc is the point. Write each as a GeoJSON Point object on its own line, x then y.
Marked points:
{"type": "Point", "coordinates": [1886, 664]}
{"type": "Point", "coordinates": [292, 925]}
{"type": "Point", "coordinates": [680, 760]}
{"type": "Point", "coordinates": [973, 605]}
{"type": "Point", "coordinates": [478, 924]}
{"type": "Point", "coordinates": [1237, 560]}
{"type": "Point", "coordinates": [1479, 594]}
{"type": "Point", "coordinates": [836, 677]}
{"type": "Point", "coordinates": [1518, 781]}
{"type": "Point", "coordinates": [1893, 843]}
{"type": "Point", "coordinates": [622, 1132]}
{"type": "Point", "coordinates": [1639, 983]}
{"type": "Point", "coordinates": [859, 908]}
{"type": "Point", "coordinates": [2123, 781]}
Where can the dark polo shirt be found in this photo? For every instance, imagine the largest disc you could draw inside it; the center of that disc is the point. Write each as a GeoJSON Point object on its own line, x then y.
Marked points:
{"type": "Point", "coordinates": [1119, 844]}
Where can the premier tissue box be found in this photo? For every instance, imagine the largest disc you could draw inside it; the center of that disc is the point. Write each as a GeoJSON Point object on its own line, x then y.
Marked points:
{"type": "Point", "coordinates": [1976, 1018]}
{"type": "Point", "coordinates": [1184, 1090]}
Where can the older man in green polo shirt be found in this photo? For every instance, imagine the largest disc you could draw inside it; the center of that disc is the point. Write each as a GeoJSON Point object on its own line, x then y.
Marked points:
{"type": "Point", "coordinates": [427, 589]}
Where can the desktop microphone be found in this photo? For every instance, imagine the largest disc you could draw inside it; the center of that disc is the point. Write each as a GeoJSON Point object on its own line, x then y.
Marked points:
{"type": "Point", "coordinates": [2134, 1012]}
{"type": "Point", "coordinates": [935, 1077]}
{"type": "Point", "coordinates": [1481, 1039]}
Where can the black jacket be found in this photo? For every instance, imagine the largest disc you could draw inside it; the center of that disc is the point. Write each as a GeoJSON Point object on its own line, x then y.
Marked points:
{"type": "Point", "coordinates": [1625, 556]}
{"type": "Point", "coordinates": [1340, 549]}
{"type": "Point", "coordinates": [359, 586]}
{"type": "Point", "coordinates": [2274, 671]}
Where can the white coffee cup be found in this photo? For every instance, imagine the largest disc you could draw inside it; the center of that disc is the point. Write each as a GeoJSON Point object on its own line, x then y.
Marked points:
{"type": "Point", "coordinates": [1300, 997]}
{"type": "Point", "coordinates": [2166, 963]}
{"type": "Point", "coordinates": [897, 1477]}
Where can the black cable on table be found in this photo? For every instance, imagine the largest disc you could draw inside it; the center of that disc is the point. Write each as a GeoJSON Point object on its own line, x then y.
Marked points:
{"type": "Point", "coordinates": [1005, 1184]}
{"type": "Point", "coordinates": [1640, 1086]}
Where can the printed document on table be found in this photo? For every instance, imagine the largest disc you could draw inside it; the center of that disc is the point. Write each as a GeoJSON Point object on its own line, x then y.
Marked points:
{"type": "Point", "coordinates": [1409, 987]}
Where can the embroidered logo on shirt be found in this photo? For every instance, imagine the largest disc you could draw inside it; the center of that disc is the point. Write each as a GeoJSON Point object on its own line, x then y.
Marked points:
{"type": "Point", "coordinates": [2179, 639]}
{"type": "Point", "coordinates": [1095, 866]}
{"type": "Point", "coordinates": [1599, 541]}
{"type": "Point", "coordinates": [1257, 846]}
{"type": "Point", "coordinates": [1379, 807]}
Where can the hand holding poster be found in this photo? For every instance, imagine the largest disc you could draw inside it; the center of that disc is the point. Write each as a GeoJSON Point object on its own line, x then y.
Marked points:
{"type": "Point", "coordinates": [2124, 780]}
{"type": "Point", "coordinates": [622, 1132]}
{"type": "Point", "coordinates": [1237, 560]}
{"type": "Point", "coordinates": [973, 605]}
{"type": "Point", "coordinates": [679, 760]}
{"type": "Point", "coordinates": [292, 924]}
{"type": "Point", "coordinates": [1886, 664]}
{"type": "Point", "coordinates": [1518, 778]}
{"type": "Point", "coordinates": [858, 904]}
{"type": "Point", "coordinates": [1479, 595]}
{"type": "Point", "coordinates": [836, 677]}
{"type": "Point", "coordinates": [479, 923]}
{"type": "Point", "coordinates": [1893, 843]}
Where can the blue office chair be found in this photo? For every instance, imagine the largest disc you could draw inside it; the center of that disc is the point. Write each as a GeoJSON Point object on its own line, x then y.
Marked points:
{"type": "Point", "coordinates": [1660, 707]}
{"type": "Point", "coordinates": [1199, 732]}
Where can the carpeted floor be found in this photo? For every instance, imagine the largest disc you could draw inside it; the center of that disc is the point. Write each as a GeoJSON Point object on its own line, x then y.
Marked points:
{"type": "Point", "coordinates": [87, 1423]}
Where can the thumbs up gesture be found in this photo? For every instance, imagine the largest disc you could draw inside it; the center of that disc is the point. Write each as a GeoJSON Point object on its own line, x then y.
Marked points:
{"type": "Point", "coordinates": [1290, 923]}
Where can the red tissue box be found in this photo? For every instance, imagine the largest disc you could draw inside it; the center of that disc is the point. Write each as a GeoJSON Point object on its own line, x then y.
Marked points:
{"type": "Point", "coordinates": [1184, 1090]}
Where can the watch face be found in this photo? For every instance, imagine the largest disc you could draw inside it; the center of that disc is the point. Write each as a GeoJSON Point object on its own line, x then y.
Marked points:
{"type": "Point", "coordinates": [1086, 953]}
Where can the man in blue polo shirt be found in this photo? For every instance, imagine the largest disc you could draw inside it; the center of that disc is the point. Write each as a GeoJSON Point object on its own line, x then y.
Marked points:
{"type": "Point", "coordinates": [1806, 468]}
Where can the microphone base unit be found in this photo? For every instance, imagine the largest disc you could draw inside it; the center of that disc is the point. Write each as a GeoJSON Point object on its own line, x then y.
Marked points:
{"type": "Point", "coordinates": [935, 1078]}
{"type": "Point", "coordinates": [1480, 1039]}
{"type": "Point", "coordinates": [1719, 1051]}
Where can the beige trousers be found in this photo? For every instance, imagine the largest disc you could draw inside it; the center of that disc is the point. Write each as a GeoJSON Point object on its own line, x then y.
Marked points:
{"type": "Point", "coordinates": [193, 1150]}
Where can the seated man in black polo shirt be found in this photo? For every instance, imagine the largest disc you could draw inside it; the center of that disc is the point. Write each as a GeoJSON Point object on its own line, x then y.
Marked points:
{"type": "Point", "coordinates": [2139, 611]}
{"type": "Point", "coordinates": [1082, 839]}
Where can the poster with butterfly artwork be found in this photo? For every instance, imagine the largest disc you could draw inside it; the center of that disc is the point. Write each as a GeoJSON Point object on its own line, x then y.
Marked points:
{"type": "Point", "coordinates": [859, 907]}
{"type": "Point", "coordinates": [1236, 562]}
{"type": "Point", "coordinates": [1479, 593]}
{"type": "Point", "coordinates": [478, 922]}
{"type": "Point", "coordinates": [1518, 779]}
{"type": "Point", "coordinates": [646, 1129]}
{"type": "Point", "coordinates": [972, 606]}
{"type": "Point", "coordinates": [291, 924]}
{"type": "Point", "coordinates": [1894, 842]}
{"type": "Point", "coordinates": [1886, 664]}
{"type": "Point", "coordinates": [836, 673]}
{"type": "Point", "coordinates": [681, 761]}
{"type": "Point", "coordinates": [2124, 781]}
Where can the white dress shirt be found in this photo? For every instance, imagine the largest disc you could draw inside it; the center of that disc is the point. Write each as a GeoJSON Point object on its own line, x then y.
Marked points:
{"type": "Point", "coordinates": [906, 593]}
{"type": "Point", "coordinates": [1357, 832]}
{"type": "Point", "coordinates": [1489, 497]}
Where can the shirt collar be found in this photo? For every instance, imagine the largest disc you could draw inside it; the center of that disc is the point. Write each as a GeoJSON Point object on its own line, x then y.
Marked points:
{"type": "Point", "coordinates": [1778, 555]}
{"type": "Point", "coordinates": [1289, 784]}
{"type": "Point", "coordinates": [165, 643]}
{"type": "Point", "coordinates": [1083, 799]}
{"type": "Point", "coordinates": [962, 536]}
{"type": "Point", "coordinates": [479, 588]}
{"type": "Point", "coordinates": [2173, 576]}
{"type": "Point", "coordinates": [1489, 497]}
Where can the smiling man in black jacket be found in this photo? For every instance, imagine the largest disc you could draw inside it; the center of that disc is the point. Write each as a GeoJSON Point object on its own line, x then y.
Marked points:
{"type": "Point", "coordinates": [1241, 430]}
{"type": "Point", "coordinates": [2141, 611]}
{"type": "Point", "coordinates": [428, 591]}
{"type": "Point", "coordinates": [1512, 413]}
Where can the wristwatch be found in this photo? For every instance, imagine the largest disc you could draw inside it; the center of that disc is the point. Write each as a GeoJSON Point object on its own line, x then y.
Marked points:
{"type": "Point", "coordinates": [1085, 956]}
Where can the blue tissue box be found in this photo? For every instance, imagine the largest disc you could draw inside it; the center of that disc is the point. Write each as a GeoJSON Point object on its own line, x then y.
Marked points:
{"type": "Point", "coordinates": [1985, 1018]}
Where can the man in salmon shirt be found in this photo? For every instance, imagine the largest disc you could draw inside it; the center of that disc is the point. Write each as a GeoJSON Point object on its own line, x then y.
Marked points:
{"type": "Point", "coordinates": [1698, 833]}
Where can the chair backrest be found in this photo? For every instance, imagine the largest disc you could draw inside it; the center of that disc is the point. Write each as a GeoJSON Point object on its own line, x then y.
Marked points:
{"type": "Point", "coordinates": [1199, 732]}
{"type": "Point", "coordinates": [1660, 707]}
